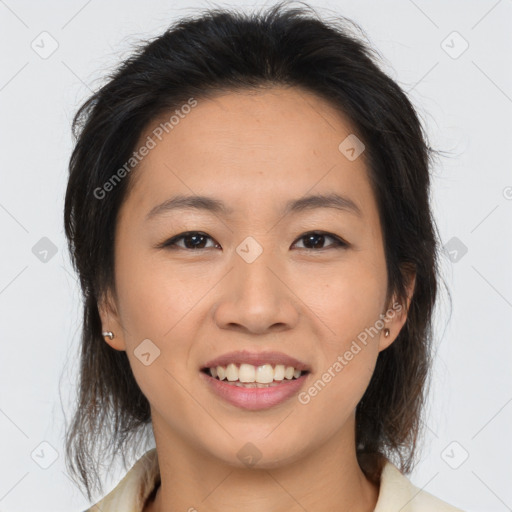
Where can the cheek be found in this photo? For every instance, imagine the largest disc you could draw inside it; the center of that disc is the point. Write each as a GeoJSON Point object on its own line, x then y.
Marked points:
{"type": "Point", "coordinates": [155, 304]}
{"type": "Point", "coordinates": [154, 307]}
{"type": "Point", "coordinates": [153, 296]}
{"type": "Point", "coordinates": [350, 305]}
{"type": "Point", "coordinates": [347, 298]}
{"type": "Point", "coordinates": [340, 383]}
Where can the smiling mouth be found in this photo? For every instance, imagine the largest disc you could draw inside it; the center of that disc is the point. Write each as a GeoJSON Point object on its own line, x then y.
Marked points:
{"type": "Point", "coordinates": [250, 376]}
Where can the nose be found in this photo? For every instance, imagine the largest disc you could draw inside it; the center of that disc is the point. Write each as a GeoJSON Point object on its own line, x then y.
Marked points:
{"type": "Point", "coordinates": [256, 298]}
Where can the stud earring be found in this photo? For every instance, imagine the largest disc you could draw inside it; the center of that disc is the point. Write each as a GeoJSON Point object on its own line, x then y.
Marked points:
{"type": "Point", "coordinates": [108, 334]}
{"type": "Point", "coordinates": [386, 332]}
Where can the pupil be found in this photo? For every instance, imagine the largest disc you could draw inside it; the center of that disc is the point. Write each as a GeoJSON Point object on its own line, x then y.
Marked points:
{"type": "Point", "coordinates": [195, 237]}
{"type": "Point", "coordinates": [314, 240]}
{"type": "Point", "coordinates": [312, 237]}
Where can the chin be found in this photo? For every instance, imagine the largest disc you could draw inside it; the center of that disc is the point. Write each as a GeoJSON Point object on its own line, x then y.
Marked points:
{"type": "Point", "coordinates": [261, 451]}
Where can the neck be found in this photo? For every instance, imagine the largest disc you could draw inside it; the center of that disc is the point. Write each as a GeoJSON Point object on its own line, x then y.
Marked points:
{"type": "Point", "coordinates": [328, 477]}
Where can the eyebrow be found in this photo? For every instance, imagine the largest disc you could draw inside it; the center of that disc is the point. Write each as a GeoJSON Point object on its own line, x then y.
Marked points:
{"type": "Point", "coordinates": [210, 204]}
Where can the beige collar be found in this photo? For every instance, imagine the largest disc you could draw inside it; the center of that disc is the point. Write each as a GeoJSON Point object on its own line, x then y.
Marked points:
{"type": "Point", "coordinates": [396, 493]}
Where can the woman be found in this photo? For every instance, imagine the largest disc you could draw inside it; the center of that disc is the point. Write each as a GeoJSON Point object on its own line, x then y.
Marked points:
{"type": "Point", "coordinates": [248, 211]}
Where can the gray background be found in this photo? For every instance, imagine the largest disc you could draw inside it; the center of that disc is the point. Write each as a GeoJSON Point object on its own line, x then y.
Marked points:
{"type": "Point", "coordinates": [464, 96]}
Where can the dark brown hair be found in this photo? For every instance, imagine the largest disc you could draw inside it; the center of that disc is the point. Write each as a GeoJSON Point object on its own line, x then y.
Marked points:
{"type": "Point", "coordinates": [218, 51]}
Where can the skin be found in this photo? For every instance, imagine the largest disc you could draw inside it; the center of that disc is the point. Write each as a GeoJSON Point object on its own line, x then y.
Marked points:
{"type": "Point", "coordinates": [254, 151]}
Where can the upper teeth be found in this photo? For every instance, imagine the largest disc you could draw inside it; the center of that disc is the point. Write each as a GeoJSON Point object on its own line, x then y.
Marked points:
{"type": "Point", "coordinates": [248, 373]}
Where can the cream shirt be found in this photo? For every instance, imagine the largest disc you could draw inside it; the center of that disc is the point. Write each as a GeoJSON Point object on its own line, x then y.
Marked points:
{"type": "Point", "coordinates": [396, 494]}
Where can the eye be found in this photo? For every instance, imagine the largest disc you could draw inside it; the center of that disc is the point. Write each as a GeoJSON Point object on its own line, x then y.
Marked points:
{"type": "Point", "coordinates": [316, 238]}
{"type": "Point", "coordinates": [193, 240]}
{"type": "Point", "coordinates": [196, 240]}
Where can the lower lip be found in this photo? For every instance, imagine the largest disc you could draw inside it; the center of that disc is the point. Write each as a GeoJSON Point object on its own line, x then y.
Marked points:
{"type": "Point", "coordinates": [255, 399]}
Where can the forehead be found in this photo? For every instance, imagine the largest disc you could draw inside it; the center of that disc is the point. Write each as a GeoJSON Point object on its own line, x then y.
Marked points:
{"type": "Point", "coordinates": [252, 149]}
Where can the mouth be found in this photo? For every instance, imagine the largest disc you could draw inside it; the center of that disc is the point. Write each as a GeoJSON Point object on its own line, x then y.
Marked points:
{"type": "Point", "coordinates": [250, 376]}
{"type": "Point", "coordinates": [255, 381]}
{"type": "Point", "coordinates": [255, 369]}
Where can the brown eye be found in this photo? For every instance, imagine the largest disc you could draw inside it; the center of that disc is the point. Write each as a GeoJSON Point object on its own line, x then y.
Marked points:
{"type": "Point", "coordinates": [192, 240]}
{"type": "Point", "coordinates": [196, 240]}
{"type": "Point", "coordinates": [316, 239]}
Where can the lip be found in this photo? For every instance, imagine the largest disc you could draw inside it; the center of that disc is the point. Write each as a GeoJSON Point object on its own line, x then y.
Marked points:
{"type": "Point", "coordinates": [256, 359]}
{"type": "Point", "coordinates": [255, 399]}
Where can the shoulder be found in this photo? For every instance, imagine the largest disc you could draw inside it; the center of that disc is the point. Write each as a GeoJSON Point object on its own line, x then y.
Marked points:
{"type": "Point", "coordinates": [131, 492]}
{"type": "Point", "coordinates": [398, 494]}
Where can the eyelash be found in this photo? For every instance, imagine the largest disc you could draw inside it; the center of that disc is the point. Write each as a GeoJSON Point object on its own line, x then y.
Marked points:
{"type": "Point", "coordinates": [171, 243]}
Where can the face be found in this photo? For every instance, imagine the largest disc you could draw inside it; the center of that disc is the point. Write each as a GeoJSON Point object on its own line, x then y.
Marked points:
{"type": "Point", "coordinates": [259, 280]}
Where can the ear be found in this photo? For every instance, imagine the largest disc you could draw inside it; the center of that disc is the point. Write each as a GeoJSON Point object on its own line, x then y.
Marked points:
{"type": "Point", "coordinates": [110, 321]}
{"type": "Point", "coordinates": [396, 314]}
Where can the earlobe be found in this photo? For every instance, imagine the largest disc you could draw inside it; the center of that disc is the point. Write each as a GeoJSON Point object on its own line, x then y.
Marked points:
{"type": "Point", "coordinates": [386, 337]}
{"type": "Point", "coordinates": [394, 319]}
{"type": "Point", "coordinates": [110, 324]}
{"type": "Point", "coordinates": [396, 315]}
